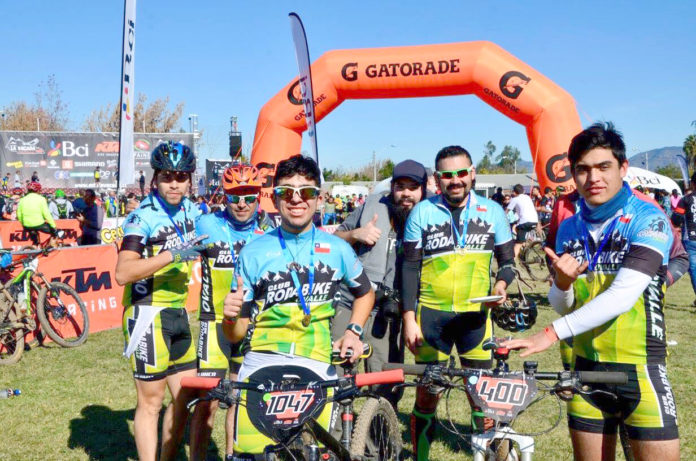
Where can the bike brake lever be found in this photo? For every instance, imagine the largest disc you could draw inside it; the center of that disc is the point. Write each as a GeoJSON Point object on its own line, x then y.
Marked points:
{"type": "Point", "coordinates": [195, 402]}
{"type": "Point", "coordinates": [600, 392]}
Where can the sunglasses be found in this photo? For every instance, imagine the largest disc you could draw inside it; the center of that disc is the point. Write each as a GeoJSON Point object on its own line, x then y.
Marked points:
{"type": "Point", "coordinates": [288, 192]}
{"type": "Point", "coordinates": [243, 198]}
{"type": "Point", "coordinates": [169, 176]}
{"type": "Point", "coordinates": [449, 174]}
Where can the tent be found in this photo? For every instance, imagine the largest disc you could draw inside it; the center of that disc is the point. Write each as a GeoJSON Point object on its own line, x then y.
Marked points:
{"type": "Point", "coordinates": [640, 177]}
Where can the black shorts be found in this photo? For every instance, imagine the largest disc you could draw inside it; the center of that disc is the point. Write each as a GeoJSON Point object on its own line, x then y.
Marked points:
{"type": "Point", "coordinates": [34, 232]}
{"type": "Point", "coordinates": [523, 230]}
{"type": "Point", "coordinates": [645, 403]}
{"type": "Point", "coordinates": [216, 354]}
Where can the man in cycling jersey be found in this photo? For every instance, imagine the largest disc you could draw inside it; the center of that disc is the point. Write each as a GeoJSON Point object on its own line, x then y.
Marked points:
{"type": "Point", "coordinates": [609, 284]}
{"type": "Point", "coordinates": [154, 264]}
{"type": "Point", "coordinates": [449, 243]}
{"type": "Point", "coordinates": [33, 213]}
{"type": "Point", "coordinates": [290, 277]}
{"type": "Point", "coordinates": [228, 231]}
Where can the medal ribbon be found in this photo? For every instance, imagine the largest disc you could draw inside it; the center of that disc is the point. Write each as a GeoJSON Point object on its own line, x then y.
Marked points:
{"type": "Point", "coordinates": [293, 271]}
{"type": "Point", "coordinates": [592, 262]}
{"type": "Point", "coordinates": [166, 210]}
{"type": "Point", "coordinates": [461, 238]}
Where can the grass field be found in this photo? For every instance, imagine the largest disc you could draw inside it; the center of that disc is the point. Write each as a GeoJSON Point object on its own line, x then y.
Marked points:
{"type": "Point", "coordinates": [78, 403]}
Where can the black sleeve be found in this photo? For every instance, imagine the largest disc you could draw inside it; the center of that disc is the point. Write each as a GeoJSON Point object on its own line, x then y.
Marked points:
{"type": "Point", "coordinates": [247, 307]}
{"type": "Point", "coordinates": [362, 287]}
{"type": "Point", "coordinates": [410, 276]}
{"type": "Point", "coordinates": [133, 243]}
{"type": "Point", "coordinates": [643, 259]}
{"type": "Point", "coordinates": [505, 255]}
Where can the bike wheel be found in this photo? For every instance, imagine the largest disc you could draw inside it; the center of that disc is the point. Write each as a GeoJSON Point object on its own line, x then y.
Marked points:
{"type": "Point", "coordinates": [534, 261]}
{"type": "Point", "coordinates": [376, 435]}
{"type": "Point", "coordinates": [11, 340]}
{"type": "Point", "coordinates": [63, 315]}
{"type": "Point", "coordinates": [502, 450]}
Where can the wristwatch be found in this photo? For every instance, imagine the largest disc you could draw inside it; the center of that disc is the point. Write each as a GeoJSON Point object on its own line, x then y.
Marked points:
{"type": "Point", "coordinates": [357, 329]}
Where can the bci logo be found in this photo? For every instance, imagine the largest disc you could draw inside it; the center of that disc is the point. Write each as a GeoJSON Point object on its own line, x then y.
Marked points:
{"type": "Point", "coordinates": [72, 150]}
{"type": "Point", "coordinates": [85, 279]}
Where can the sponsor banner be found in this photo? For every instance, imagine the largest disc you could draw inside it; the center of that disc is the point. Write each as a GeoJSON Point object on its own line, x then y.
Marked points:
{"type": "Point", "coordinates": [213, 173]}
{"type": "Point", "coordinates": [91, 271]}
{"type": "Point", "coordinates": [14, 237]}
{"type": "Point", "coordinates": [111, 230]}
{"type": "Point", "coordinates": [126, 154]}
{"type": "Point", "coordinates": [68, 160]}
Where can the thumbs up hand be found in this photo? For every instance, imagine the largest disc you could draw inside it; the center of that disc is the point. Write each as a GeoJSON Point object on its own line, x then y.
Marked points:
{"type": "Point", "coordinates": [567, 268]}
{"type": "Point", "coordinates": [232, 304]}
{"type": "Point", "coordinates": [369, 233]}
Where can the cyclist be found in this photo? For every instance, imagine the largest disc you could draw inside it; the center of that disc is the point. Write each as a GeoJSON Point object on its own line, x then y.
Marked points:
{"type": "Point", "coordinates": [5, 182]}
{"type": "Point", "coordinates": [609, 283]}
{"type": "Point", "coordinates": [449, 242]}
{"type": "Point", "coordinates": [290, 276]}
{"type": "Point", "coordinates": [228, 230]}
{"type": "Point", "coordinates": [60, 207]}
{"type": "Point", "coordinates": [33, 214]}
{"type": "Point", "coordinates": [158, 244]}
{"type": "Point", "coordinates": [527, 217]}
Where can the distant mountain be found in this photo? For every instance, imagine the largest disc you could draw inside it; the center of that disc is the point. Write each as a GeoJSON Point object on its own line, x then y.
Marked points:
{"type": "Point", "coordinates": [656, 158]}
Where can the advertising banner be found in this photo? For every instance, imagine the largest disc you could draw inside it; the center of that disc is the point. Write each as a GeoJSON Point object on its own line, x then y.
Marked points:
{"type": "Point", "coordinates": [213, 172]}
{"type": "Point", "coordinates": [68, 160]}
{"type": "Point", "coordinates": [111, 232]}
{"type": "Point", "coordinates": [14, 237]}
{"type": "Point", "coordinates": [126, 158]}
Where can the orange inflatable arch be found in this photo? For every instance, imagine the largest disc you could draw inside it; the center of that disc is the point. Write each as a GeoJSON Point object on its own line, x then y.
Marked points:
{"type": "Point", "coordinates": [482, 68]}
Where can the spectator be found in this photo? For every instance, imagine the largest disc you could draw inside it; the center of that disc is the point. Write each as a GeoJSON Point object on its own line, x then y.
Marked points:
{"type": "Point", "coordinates": [528, 219]}
{"type": "Point", "coordinates": [111, 204]}
{"type": "Point", "coordinates": [91, 220]}
{"type": "Point", "coordinates": [546, 206]}
{"type": "Point", "coordinates": [498, 196]}
{"type": "Point", "coordinates": [97, 177]}
{"type": "Point", "coordinates": [141, 181]}
{"type": "Point", "coordinates": [674, 200]}
{"type": "Point", "coordinates": [60, 207]}
{"type": "Point", "coordinates": [202, 205]}
{"type": "Point", "coordinates": [6, 182]}
{"type": "Point", "coordinates": [330, 211]}
{"type": "Point", "coordinates": [35, 177]}
{"type": "Point", "coordinates": [17, 179]}
{"type": "Point", "coordinates": [79, 203]}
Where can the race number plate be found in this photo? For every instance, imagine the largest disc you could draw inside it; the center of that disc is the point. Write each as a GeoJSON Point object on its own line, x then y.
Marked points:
{"type": "Point", "coordinates": [501, 396]}
{"type": "Point", "coordinates": [287, 407]}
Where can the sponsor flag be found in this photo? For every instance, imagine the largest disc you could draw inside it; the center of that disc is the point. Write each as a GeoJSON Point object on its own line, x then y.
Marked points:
{"type": "Point", "coordinates": [126, 173]}
{"type": "Point", "coordinates": [302, 53]}
{"type": "Point", "coordinates": [322, 247]}
{"type": "Point", "coordinates": [681, 160]}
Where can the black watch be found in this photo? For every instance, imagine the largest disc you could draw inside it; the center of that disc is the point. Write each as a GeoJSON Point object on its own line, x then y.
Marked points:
{"type": "Point", "coordinates": [357, 329]}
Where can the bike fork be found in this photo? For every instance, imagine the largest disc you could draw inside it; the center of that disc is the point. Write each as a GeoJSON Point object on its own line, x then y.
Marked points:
{"type": "Point", "coordinates": [481, 442]}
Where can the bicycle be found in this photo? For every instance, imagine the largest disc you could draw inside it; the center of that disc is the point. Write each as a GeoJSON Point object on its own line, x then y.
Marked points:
{"type": "Point", "coordinates": [532, 256]}
{"type": "Point", "coordinates": [502, 395]}
{"type": "Point", "coordinates": [288, 407]}
{"type": "Point", "coordinates": [29, 296]}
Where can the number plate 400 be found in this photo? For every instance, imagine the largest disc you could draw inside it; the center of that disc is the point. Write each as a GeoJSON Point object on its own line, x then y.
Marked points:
{"type": "Point", "coordinates": [501, 396]}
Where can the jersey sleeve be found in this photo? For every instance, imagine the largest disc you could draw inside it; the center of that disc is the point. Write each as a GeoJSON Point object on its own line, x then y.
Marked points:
{"type": "Point", "coordinates": [135, 233]}
{"type": "Point", "coordinates": [413, 234]}
{"type": "Point", "coordinates": [353, 273]}
{"type": "Point", "coordinates": [650, 242]}
{"type": "Point", "coordinates": [243, 269]}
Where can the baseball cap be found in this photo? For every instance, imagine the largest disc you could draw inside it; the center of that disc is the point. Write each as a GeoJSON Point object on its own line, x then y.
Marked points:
{"type": "Point", "coordinates": [410, 169]}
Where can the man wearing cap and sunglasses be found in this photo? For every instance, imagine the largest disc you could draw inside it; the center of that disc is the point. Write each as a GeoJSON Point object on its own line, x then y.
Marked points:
{"type": "Point", "coordinates": [449, 242]}
{"type": "Point", "coordinates": [228, 231]}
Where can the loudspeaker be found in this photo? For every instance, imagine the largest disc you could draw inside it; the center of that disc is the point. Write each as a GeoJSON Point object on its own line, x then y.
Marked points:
{"type": "Point", "coordinates": [235, 145]}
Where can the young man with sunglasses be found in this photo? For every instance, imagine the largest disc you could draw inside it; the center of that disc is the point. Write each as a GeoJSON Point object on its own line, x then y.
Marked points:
{"type": "Point", "coordinates": [609, 285]}
{"type": "Point", "coordinates": [228, 231]}
{"type": "Point", "coordinates": [290, 276]}
{"type": "Point", "coordinates": [158, 244]}
{"type": "Point", "coordinates": [449, 242]}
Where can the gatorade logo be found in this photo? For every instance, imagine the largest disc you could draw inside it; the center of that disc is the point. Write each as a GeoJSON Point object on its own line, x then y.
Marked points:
{"type": "Point", "coordinates": [558, 168]}
{"type": "Point", "coordinates": [512, 83]}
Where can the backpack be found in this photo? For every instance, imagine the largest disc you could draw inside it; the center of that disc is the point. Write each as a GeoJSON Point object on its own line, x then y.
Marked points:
{"type": "Point", "coordinates": [62, 210]}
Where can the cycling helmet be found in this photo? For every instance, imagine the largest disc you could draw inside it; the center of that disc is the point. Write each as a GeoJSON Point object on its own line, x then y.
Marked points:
{"type": "Point", "coordinates": [34, 187]}
{"type": "Point", "coordinates": [60, 193]}
{"type": "Point", "coordinates": [241, 176]}
{"type": "Point", "coordinates": [17, 191]}
{"type": "Point", "coordinates": [515, 315]}
{"type": "Point", "coordinates": [169, 156]}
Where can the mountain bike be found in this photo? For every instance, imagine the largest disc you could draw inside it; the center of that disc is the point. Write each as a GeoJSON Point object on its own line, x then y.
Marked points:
{"type": "Point", "coordinates": [532, 256]}
{"type": "Point", "coordinates": [287, 407]}
{"type": "Point", "coordinates": [29, 296]}
{"type": "Point", "coordinates": [502, 395]}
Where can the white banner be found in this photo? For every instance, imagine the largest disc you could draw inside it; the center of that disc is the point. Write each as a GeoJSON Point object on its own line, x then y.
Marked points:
{"type": "Point", "coordinates": [639, 177]}
{"type": "Point", "coordinates": [126, 173]}
{"type": "Point", "coordinates": [681, 160]}
{"type": "Point", "coordinates": [302, 53]}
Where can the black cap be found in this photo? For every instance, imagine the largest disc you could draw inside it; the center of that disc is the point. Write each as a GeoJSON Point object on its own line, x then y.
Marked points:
{"type": "Point", "coordinates": [410, 169]}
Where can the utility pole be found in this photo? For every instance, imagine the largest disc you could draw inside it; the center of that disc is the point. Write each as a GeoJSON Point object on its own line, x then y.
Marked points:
{"type": "Point", "coordinates": [374, 167]}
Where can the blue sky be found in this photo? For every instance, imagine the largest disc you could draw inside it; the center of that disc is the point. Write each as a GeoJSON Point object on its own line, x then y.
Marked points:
{"type": "Point", "coordinates": [627, 61]}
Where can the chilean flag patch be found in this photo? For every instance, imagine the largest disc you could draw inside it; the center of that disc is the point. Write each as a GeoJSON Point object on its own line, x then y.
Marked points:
{"type": "Point", "coordinates": [322, 248]}
{"type": "Point", "coordinates": [626, 218]}
{"type": "Point", "coordinates": [481, 209]}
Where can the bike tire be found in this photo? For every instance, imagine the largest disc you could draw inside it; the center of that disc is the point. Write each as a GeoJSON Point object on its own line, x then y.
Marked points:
{"type": "Point", "coordinates": [66, 328]}
{"type": "Point", "coordinates": [12, 342]}
{"type": "Point", "coordinates": [503, 450]}
{"type": "Point", "coordinates": [535, 262]}
{"type": "Point", "coordinates": [376, 435]}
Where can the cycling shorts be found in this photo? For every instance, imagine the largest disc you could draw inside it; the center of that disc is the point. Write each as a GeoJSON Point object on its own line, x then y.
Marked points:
{"type": "Point", "coordinates": [34, 232]}
{"type": "Point", "coordinates": [250, 439]}
{"type": "Point", "coordinates": [523, 230]}
{"type": "Point", "coordinates": [165, 348]}
{"type": "Point", "coordinates": [216, 354]}
{"type": "Point", "coordinates": [444, 330]}
{"type": "Point", "coordinates": [645, 404]}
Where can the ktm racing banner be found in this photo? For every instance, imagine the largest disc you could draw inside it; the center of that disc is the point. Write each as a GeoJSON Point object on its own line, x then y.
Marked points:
{"type": "Point", "coordinates": [14, 237]}
{"type": "Point", "coordinates": [68, 160]}
{"type": "Point", "coordinates": [125, 167]}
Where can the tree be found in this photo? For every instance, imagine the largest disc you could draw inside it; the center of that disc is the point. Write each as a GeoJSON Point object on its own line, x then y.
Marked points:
{"type": "Point", "coordinates": [48, 113]}
{"type": "Point", "coordinates": [386, 169]}
{"type": "Point", "coordinates": [671, 171]}
{"type": "Point", "coordinates": [690, 150]}
{"type": "Point", "coordinates": [508, 158]}
{"type": "Point", "coordinates": [152, 118]}
{"type": "Point", "coordinates": [485, 165]}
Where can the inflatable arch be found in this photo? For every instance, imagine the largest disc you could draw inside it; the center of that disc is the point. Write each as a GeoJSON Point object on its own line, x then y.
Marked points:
{"type": "Point", "coordinates": [482, 68]}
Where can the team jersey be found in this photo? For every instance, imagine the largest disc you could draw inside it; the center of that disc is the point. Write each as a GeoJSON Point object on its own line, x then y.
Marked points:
{"type": "Point", "coordinates": [451, 275]}
{"type": "Point", "coordinates": [148, 231]}
{"type": "Point", "coordinates": [270, 297]}
{"type": "Point", "coordinates": [686, 209]}
{"type": "Point", "coordinates": [640, 240]}
{"type": "Point", "coordinates": [218, 262]}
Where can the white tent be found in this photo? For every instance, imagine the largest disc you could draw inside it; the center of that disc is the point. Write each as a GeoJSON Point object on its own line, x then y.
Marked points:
{"type": "Point", "coordinates": [640, 177]}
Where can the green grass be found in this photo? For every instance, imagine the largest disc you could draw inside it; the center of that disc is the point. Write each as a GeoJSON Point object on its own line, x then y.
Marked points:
{"type": "Point", "coordinates": [78, 403]}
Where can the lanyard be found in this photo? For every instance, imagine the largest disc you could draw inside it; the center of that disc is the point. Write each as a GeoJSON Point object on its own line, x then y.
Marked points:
{"type": "Point", "coordinates": [292, 265]}
{"type": "Point", "coordinates": [592, 262]}
{"type": "Point", "coordinates": [461, 238]}
{"type": "Point", "coordinates": [176, 228]}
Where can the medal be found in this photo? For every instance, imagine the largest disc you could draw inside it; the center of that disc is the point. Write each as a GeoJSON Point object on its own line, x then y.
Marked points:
{"type": "Point", "coordinates": [590, 276]}
{"type": "Point", "coordinates": [294, 267]}
{"type": "Point", "coordinates": [460, 250]}
{"type": "Point", "coordinates": [306, 319]}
